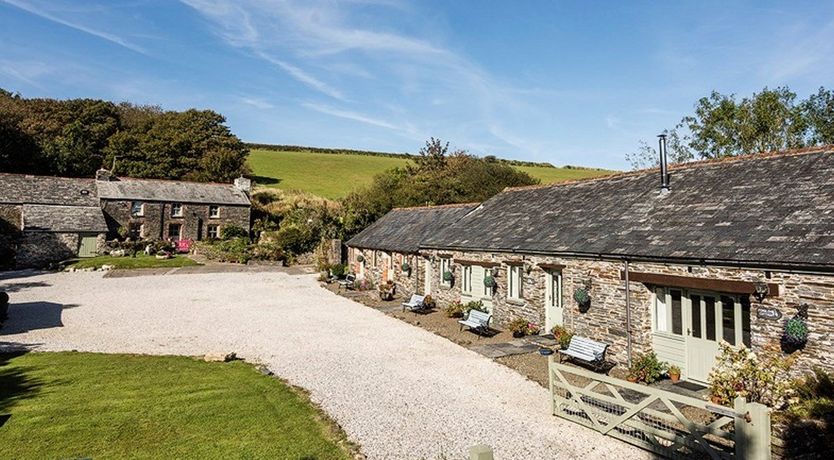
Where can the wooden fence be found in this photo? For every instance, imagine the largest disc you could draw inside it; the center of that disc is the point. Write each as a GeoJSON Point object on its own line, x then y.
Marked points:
{"type": "Point", "coordinates": [666, 423]}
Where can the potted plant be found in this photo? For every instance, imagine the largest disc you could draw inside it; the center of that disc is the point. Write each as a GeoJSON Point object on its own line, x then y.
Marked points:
{"type": "Point", "coordinates": [647, 368]}
{"type": "Point", "coordinates": [455, 310]}
{"type": "Point", "coordinates": [674, 373]}
{"type": "Point", "coordinates": [533, 329]}
{"type": "Point", "coordinates": [562, 335]}
{"type": "Point", "coordinates": [387, 290]}
{"type": "Point", "coordinates": [429, 302]}
{"type": "Point", "coordinates": [518, 327]}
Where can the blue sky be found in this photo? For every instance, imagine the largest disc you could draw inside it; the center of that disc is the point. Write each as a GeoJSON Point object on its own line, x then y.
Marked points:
{"type": "Point", "coordinates": [564, 82]}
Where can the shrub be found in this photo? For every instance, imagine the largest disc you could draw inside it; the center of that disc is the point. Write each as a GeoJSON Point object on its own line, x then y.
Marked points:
{"type": "Point", "coordinates": [455, 310]}
{"type": "Point", "coordinates": [814, 396]}
{"type": "Point", "coordinates": [235, 250]}
{"type": "Point", "coordinates": [759, 378]}
{"type": "Point", "coordinates": [294, 240]}
{"type": "Point", "coordinates": [267, 251]}
{"type": "Point", "coordinates": [338, 270]}
{"type": "Point", "coordinates": [518, 326]}
{"type": "Point", "coordinates": [229, 232]}
{"type": "Point", "coordinates": [429, 302]}
{"type": "Point", "coordinates": [647, 368]}
{"type": "Point", "coordinates": [475, 305]}
{"type": "Point", "coordinates": [562, 335]}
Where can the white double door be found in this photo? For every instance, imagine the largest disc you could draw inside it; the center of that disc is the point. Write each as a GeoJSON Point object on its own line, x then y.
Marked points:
{"type": "Point", "coordinates": [708, 319]}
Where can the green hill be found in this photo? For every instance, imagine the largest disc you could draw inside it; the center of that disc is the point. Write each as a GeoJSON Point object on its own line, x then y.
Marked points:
{"type": "Point", "coordinates": [334, 175]}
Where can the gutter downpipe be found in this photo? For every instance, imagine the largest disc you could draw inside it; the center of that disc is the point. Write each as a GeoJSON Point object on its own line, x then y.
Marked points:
{"type": "Point", "coordinates": [628, 313]}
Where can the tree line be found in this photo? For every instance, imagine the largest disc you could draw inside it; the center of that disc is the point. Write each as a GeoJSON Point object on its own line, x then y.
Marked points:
{"type": "Point", "coordinates": [75, 137]}
{"type": "Point", "coordinates": [723, 125]}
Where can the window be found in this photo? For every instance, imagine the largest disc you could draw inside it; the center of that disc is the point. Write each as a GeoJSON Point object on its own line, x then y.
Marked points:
{"type": "Point", "coordinates": [467, 279]}
{"type": "Point", "coordinates": [137, 209]}
{"type": "Point", "coordinates": [677, 317]}
{"type": "Point", "coordinates": [660, 324]}
{"type": "Point", "coordinates": [174, 231]}
{"type": "Point", "coordinates": [214, 211]}
{"type": "Point", "coordinates": [213, 231]}
{"type": "Point", "coordinates": [135, 230]}
{"type": "Point", "coordinates": [445, 266]}
{"type": "Point", "coordinates": [176, 210]}
{"type": "Point", "coordinates": [514, 282]}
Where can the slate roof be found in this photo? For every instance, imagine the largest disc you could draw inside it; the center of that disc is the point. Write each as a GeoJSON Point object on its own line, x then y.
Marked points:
{"type": "Point", "coordinates": [54, 218]}
{"type": "Point", "coordinates": [176, 191]}
{"type": "Point", "coordinates": [770, 209]}
{"type": "Point", "coordinates": [21, 188]}
{"type": "Point", "coordinates": [403, 229]}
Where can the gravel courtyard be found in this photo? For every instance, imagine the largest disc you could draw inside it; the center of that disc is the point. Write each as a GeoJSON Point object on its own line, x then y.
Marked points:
{"type": "Point", "coordinates": [397, 390]}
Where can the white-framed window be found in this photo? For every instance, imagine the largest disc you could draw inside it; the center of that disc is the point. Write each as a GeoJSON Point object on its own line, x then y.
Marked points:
{"type": "Point", "coordinates": [213, 231]}
{"type": "Point", "coordinates": [445, 266]}
{"type": "Point", "coordinates": [660, 317]}
{"type": "Point", "coordinates": [174, 231]}
{"type": "Point", "coordinates": [176, 209]}
{"type": "Point", "coordinates": [514, 282]}
{"type": "Point", "coordinates": [214, 211]}
{"type": "Point", "coordinates": [466, 286]}
{"type": "Point", "coordinates": [137, 209]}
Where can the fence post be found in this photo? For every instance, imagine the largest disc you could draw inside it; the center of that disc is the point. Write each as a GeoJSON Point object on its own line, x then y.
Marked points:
{"type": "Point", "coordinates": [752, 430]}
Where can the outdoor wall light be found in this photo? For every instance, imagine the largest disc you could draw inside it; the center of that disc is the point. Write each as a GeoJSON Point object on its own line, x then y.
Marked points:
{"type": "Point", "coordinates": [762, 290]}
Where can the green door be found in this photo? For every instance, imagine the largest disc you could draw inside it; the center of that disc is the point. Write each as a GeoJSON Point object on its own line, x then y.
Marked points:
{"type": "Point", "coordinates": [87, 246]}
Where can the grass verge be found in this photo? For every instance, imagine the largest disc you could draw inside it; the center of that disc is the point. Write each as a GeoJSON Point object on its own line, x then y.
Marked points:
{"type": "Point", "coordinates": [140, 261]}
{"type": "Point", "coordinates": [90, 405]}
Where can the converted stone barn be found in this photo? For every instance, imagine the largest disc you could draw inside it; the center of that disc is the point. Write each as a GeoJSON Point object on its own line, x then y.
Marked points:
{"type": "Point", "coordinates": [379, 252]}
{"type": "Point", "coordinates": [728, 251]}
{"type": "Point", "coordinates": [48, 219]}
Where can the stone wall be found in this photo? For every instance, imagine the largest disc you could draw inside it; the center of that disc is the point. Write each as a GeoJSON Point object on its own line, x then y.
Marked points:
{"type": "Point", "coordinates": [605, 320]}
{"type": "Point", "coordinates": [801, 439]}
{"type": "Point", "coordinates": [157, 217]}
{"type": "Point", "coordinates": [374, 268]}
{"type": "Point", "coordinates": [9, 234]}
{"type": "Point", "coordinates": [38, 250]}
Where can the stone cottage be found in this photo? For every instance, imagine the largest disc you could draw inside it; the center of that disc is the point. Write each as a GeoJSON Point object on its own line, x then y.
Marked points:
{"type": "Point", "coordinates": [728, 250]}
{"type": "Point", "coordinates": [48, 219]}
{"type": "Point", "coordinates": [379, 252]}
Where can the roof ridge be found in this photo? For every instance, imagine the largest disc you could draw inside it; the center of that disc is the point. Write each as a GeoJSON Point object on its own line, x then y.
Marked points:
{"type": "Point", "coordinates": [437, 206]}
{"type": "Point", "coordinates": [128, 179]}
{"type": "Point", "coordinates": [826, 148]}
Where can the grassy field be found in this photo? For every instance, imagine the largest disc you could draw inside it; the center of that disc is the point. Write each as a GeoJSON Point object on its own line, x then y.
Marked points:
{"type": "Point", "coordinates": [87, 405]}
{"type": "Point", "coordinates": [333, 176]}
{"type": "Point", "coordinates": [140, 261]}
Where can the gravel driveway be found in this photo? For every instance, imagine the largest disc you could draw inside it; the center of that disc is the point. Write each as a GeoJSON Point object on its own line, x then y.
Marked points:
{"type": "Point", "coordinates": [397, 390]}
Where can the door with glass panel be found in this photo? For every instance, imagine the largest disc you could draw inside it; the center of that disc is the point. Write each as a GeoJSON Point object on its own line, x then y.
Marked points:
{"type": "Point", "coordinates": [709, 319]}
{"type": "Point", "coordinates": [553, 311]}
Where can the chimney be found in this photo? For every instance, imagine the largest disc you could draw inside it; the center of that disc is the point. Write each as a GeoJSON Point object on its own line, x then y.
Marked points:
{"type": "Point", "coordinates": [104, 175]}
{"type": "Point", "coordinates": [664, 165]}
{"type": "Point", "coordinates": [243, 184]}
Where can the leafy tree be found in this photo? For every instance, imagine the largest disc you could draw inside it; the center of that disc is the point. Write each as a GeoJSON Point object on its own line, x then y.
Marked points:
{"type": "Point", "coordinates": [722, 125]}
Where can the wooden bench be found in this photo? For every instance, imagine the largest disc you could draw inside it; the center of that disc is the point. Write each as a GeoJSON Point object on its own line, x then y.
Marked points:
{"type": "Point", "coordinates": [585, 350]}
{"type": "Point", "coordinates": [348, 282]}
{"type": "Point", "coordinates": [477, 321]}
{"type": "Point", "coordinates": [415, 303]}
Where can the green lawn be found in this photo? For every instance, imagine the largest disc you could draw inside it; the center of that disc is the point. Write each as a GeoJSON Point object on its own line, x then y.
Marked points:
{"type": "Point", "coordinates": [333, 176]}
{"type": "Point", "coordinates": [88, 405]}
{"type": "Point", "coordinates": [140, 261]}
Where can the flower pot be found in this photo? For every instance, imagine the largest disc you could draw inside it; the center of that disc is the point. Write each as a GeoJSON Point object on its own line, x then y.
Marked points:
{"type": "Point", "coordinates": [675, 377]}
{"type": "Point", "coordinates": [518, 334]}
{"type": "Point", "coordinates": [632, 378]}
{"type": "Point", "coordinates": [715, 400]}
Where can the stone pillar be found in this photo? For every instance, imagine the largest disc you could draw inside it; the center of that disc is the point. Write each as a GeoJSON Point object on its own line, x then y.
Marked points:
{"type": "Point", "coordinates": [334, 252]}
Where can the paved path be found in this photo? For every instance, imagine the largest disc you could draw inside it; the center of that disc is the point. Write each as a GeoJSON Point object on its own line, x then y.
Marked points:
{"type": "Point", "coordinates": [397, 390]}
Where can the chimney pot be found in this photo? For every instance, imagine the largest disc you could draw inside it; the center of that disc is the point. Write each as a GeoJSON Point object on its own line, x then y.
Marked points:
{"type": "Point", "coordinates": [104, 175]}
{"type": "Point", "coordinates": [664, 166]}
{"type": "Point", "coordinates": [244, 184]}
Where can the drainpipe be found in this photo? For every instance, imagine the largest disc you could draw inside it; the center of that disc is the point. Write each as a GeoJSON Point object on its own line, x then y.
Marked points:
{"type": "Point", "coordinates": [628, 313]}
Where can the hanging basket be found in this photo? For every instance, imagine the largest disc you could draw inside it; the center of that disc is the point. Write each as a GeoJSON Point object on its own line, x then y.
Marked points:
{"type": "Point", "coordinates": [795, 336]}
{"type": "Point", "coordinates": [448, 276]}
{"type": "Point", "coordinates": [406, 267]}
{"type": "Point", "coordinates": [360, 258]}
{"type": "Point", "coordinates": [489, 281]}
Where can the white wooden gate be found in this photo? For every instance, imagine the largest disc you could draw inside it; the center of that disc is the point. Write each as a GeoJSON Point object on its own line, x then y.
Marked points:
{"type": "Point", "coordinates": [666, 423]}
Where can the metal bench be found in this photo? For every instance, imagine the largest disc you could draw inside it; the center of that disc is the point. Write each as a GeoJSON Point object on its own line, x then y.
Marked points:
{"type": "Point", "coordinates": [477, 321]}
{"type": "Point", "coordinates": [348, 282]}
{"type": "Point", "coordinates": [415, 303]}
{"type": "Point", "coordinates": [585, 350]}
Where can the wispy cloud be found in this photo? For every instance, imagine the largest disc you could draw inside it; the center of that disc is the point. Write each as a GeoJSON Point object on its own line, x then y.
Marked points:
{"type": "Point", "coordinates": [405, 128]}
{"type": "Point", "coordinates": [303, 76]}
{"type": "Point", "coordinates": [258, 103]}
{"type": "Point", "coordinates": [51, 16]}
{"type": "Point", "coordinates": [26, 71]}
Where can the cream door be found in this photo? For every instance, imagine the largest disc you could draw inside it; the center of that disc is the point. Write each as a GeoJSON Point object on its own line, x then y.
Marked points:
{"type": "Point", "coordinates": [426, 276]}
{"type": "Point", "coordinates": [553, 308]}
{"type": "Point", "coordinates": [702, 320]}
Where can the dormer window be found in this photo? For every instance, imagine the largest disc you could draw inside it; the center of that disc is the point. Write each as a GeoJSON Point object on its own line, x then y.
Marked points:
{"type": "Point", "coordinates": [137, 209]}
{"type": "Point", "coordinates": [214, 211]}
{"type": "Point", "coordinates": [176, 210]}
